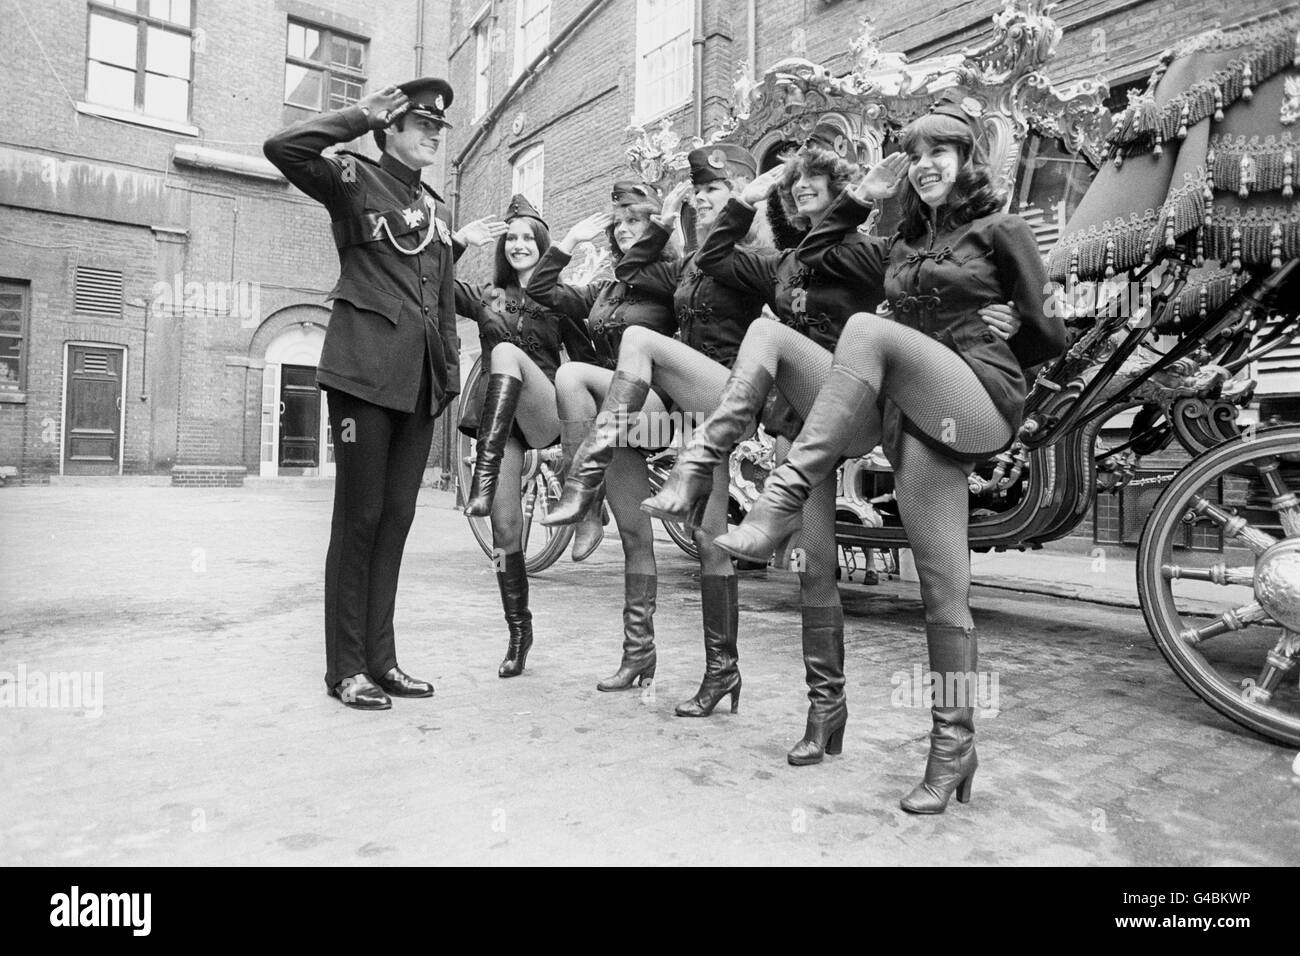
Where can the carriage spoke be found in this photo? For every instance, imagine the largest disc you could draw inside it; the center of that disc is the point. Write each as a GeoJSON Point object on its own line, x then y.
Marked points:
{"type": "Point", "coordinates": [529, 503]}
{"type": "Point", "coordinates": [1277, 664]}
{"type": "Point", "coordinates": [1218, 573]}
{"type": "Point", "coordinates": [1283, 499]}
{"type": "Point", "coordinates": [1233, 526]}
{"type": "Point", "coordinates": [1234, 620]}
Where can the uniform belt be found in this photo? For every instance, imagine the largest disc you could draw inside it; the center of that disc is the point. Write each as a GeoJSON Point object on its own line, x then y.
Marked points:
{"type": "Point", "coordinates": [370, 227]}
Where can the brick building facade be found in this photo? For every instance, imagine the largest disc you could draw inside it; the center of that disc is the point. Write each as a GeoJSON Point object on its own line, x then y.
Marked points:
{"type": "Point", "coordinates": [162, 288]}
{"type": "Point", "coordinates": [563, 129]}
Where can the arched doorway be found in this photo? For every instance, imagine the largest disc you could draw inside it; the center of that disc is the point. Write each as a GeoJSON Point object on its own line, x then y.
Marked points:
{"type": "Point", "coordinates": [295, 415]}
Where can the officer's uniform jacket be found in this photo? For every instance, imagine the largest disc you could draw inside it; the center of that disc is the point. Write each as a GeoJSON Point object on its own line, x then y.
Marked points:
{"type": "Point", "coordinates": [813, 302]}
{"type": "Point", "coordinates": [392, 313]}
{"type": "Point", "coordinates": [712, 317]}
{"type": "Point", "coordinates": [607, 307]}
{"type": "Point", "coordinates": [938, 283]}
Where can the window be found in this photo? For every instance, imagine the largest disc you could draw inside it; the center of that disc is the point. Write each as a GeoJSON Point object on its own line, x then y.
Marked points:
{"type": "Point", "coordinates": [482, 65]}
{"type": "Point", "coordinates": [528, 169]}
{"type": "Point", "coordinates": [323, 70]}
{"type": "Point", "coordinates": [663, 56]}
{"type": "Point", "coordinates": [14, 297]}
{"type": "Point", "coordinates": [138, 56]}
{"type": "Point", "coordinates": [534, 19]}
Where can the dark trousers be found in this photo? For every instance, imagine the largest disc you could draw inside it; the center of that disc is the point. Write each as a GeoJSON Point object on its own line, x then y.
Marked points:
{"type": "Point", "coordinates": [379, 456]}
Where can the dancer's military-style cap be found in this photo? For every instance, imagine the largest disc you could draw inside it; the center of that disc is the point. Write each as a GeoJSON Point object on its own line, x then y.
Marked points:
{"type": "Point", "coordinates": [429, 96]}
{"type": "Point", "coordinates": [956, 104]}
{"type": "Point", "coordinates": [630, 192]}
{"type": "Point", "coordinates": [825, 136]}
{"type": "Point", "coordinates": [521, 207]}
{"type": "Point", "coordinates": [720, 161]}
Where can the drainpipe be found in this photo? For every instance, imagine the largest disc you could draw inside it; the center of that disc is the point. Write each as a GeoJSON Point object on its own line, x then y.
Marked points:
{"type": "Point", "coordinates": [751, 39]}
{"type": "Point", "coordinates": [419, 37]}
{"type": "Point", "coordinates": [698, 44]}
{"type": "Point", "coordinates": [494, 114]}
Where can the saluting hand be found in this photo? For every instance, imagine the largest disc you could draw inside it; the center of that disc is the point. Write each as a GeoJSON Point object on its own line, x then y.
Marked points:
{"type": "Point", "coordinates": [675, 199]}
{"type": "Point", "coordinates": [884, 180]}
{"type": "Point", "coordinates": [585, 230]}
{"type": "Point", "coordinates": [759, 189]}
{"type": "Point", "coordinates": [1002, 318]}
{"type": "Point", "coordinates": [385, 106]}
{"type": "Point", "coordinates": [481, 231]}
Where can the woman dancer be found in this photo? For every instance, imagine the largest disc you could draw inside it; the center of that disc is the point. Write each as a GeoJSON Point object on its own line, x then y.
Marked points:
{"type": "Point", "coordinates": [713, 319]}
{"type": "Point", "coordinates": [513, 408]}
{"type": "Point", "coordinates": [938, 386]}
{"type": "Point", "coordinates": [609, 308]}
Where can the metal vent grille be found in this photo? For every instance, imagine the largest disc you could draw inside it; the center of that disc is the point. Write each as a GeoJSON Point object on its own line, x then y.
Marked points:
{"type": "Point", "coordinates": [95, 362]}
{"type": "Point", "coordinates": [98, 292]}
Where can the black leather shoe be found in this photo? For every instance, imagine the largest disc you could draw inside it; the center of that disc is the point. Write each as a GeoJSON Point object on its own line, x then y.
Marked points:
{"type": "Point", "coordinates": [361, 692]}
{"type": "Point", "coordinates": [401, 684]}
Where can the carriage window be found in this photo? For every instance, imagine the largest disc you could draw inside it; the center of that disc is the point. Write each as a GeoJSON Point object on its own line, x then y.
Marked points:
{"type": "Point", "coordinates": [1049, 184]}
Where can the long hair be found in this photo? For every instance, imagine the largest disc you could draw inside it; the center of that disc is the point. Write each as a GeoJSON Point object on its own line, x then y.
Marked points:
{"type": "Point", "coordinates": [642, 210]}
{"type": "Point", "coordinates": [503, 273]}
{"type": "Point", "coordinates": [974, 193]}
{"type": "Point", "coordinates": [812, 161]}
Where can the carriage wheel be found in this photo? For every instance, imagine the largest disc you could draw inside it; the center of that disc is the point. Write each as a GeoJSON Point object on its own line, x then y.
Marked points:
{"type": "Point", "coordinates": [540, 491]}
{"type": "Point", "coordinates": [657, 468]}
{"type": "Point", "coordinates": [1242, 658]}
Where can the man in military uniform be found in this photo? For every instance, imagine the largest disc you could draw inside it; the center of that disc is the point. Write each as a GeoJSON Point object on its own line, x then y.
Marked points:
{"type": "Point", "coordinates": [390, 360]}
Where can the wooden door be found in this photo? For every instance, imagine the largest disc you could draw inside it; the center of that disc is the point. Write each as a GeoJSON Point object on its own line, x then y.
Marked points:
{"type": "Point", "coordinates": [93, 416]}
{"type": "Point", "coordinates": [299, 417]}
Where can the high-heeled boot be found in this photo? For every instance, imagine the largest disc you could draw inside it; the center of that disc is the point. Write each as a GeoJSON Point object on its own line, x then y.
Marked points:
{"type": "Point", "coordinates": [952, 761]}
{"type": "Point", "coordinates": [513, 581]}
{"type": "Point", "coordinates": [685, 492]}
{"type": "Point", "coordinates": [721, 608]}
{"type": "Point", "coordinates": [813, 459]}
{"type": "Point", "coordinates": [639, 656]}
{"type": "Point", "coordinates": [495, 424]}
{"type": "Point", "coordinates": [586, 477]}
{"type": "Point", "coordinates": [823, 661]}
{"type": "Point", "coordinates": [590, 531]}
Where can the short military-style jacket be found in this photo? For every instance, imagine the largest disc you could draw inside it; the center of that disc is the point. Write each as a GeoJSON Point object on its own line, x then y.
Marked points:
{"type": "Point", "coordinates": [607, 307]}
{"type": "Point", "coordinates": [508, 315]}
{"type": "Point", "coordinates": [392, 313]}
{"type": "Point", "coordinates": [712, 316]}
{"type": "Point", "coordinates": [938, 284]}
{"type": "Point", "coordinates": [811, 301]}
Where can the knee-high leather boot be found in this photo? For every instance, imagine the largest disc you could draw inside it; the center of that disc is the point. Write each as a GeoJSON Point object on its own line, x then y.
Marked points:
{"type": "Point", "coordinates": [813, 458]}
{"type": "Point", "coordinates": [590, 531]}
{"type": "Point", "coordinates": [639, 656]}
{"type": "Point", "coordinates": [495, 423]}
{"type": "Point", "coordinates": [586, 477]}
{"type": "Point", "coordinates": [513, 581]}
{"type": "Point", "coordinates": [721, 608]}
{"type": "Point", "coordinates": [823, 661]}
{"type": "Point", "coordinates": [954, 656]}
{"type": "Point", "coordinates": [685, 491]}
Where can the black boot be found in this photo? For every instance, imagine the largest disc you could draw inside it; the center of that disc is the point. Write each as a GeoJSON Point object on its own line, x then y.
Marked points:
{"type": "Point", "coordinates": [813, 459]}
{"type": "Point", "coordinates": [721, 605]}
{"type": "Point", "coordinates": [586, 478]}
{"type": "Point", "coordinates": [952, 761]}
{"type": "Point", "coordinates": [495, 424]}
{"type": "Point", "coordinates": [513, 581]}
{"type": "Point", "coordinates": [823, 661]}
{"type": "Point", "coordinates": [590, 531]}
{"type": "Point", "coordinates": [685, 491]}
{"type": "Point", "coordinates": [639, 657]}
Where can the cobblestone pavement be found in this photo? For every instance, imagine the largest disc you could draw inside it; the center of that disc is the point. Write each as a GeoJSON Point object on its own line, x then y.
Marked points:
{"type": "Point", "coordinates": [200, 610]}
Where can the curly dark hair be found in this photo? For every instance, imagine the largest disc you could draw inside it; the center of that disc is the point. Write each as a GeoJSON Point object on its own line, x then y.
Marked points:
{"type": "Point", "coordinates": [813, 161]}
{"type": "Point", "coordinates": [503, 273]}
{"type": "Point", "coordinates": [974, 193]}
{"type": "Point", "coordinates": [641, 211]}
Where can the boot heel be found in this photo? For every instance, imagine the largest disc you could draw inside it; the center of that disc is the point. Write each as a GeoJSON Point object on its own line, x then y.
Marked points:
{"type": "Point", "coordinates": [735, 699]}
{"type": "Point", "coordinates": [835, 742]}
{"type": "Point", "coordinates": [963, 791]}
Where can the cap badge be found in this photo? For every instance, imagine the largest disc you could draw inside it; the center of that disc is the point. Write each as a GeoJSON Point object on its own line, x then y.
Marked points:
{"type": "Point", "coordinates": [971, 107]}
{"type": "Point", "coordinates": [718, 159]}
{"type": "Point", "coordinates": [437, 103]}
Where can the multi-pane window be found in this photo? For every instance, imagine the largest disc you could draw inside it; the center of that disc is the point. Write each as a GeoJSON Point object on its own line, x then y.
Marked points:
{"type": "Point", "coordinates": [663, 56]}
{"type": "Point", "coordinates": [323, 70]}
{"type": "Point", "coordinates": [138, 56]}
{"type": "Point", "coordinates": [534, 20]}
{"type": "Point", "coordinates": [482, 66]}
{"type": "Point", "coordinates": [13, 329]}
{"type": "Point", "coordinates": [528, 172]}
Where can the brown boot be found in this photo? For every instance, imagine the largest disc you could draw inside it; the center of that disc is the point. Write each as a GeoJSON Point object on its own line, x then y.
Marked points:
{"type": "Point", "coordinates": [951, 765]}
{"type": "Point", "coordinates": [639, 656]}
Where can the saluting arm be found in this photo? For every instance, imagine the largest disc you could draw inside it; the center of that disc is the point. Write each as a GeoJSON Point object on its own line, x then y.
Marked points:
{"type": "Point", "coordinates": [643, 267]}
{"type": "Point", "coordinates": [296, 152]}
{"type": "Point", "coordinates": [546, 288]}
{"type": "Point", "coordinates": [824, 248]}
{"type": "Point", "coordinates": [748, 270]}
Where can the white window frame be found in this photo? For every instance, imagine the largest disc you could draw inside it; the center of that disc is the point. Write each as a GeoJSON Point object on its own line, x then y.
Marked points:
{"type": "Point", "coordinates": [482, 67]}
{"type": "Point", "coordinates": [521, 175]}
{"type": "Point", "coordinates": [539, 24]}
{"type": "Point", "coordinates": [661, 26]}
